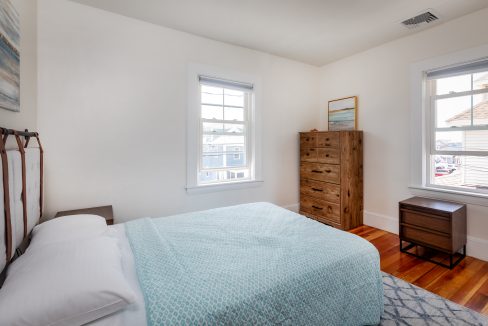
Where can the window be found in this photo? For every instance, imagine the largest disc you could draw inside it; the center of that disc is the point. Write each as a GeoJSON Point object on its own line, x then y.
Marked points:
{"type": "Point", "coordinates": [225, 138]}
{"type": "Point", "coordinates": [457, 145]}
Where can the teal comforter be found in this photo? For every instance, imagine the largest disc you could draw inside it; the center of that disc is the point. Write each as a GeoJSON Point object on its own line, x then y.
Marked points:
{"type": "Point", "coordinates": [254, 264]}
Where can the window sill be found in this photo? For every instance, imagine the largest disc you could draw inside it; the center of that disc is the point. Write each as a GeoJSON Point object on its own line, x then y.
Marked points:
{"type": "Point", "coordinates": [223, 187]}
{"type": "Point", "coordinates": [451, 195]}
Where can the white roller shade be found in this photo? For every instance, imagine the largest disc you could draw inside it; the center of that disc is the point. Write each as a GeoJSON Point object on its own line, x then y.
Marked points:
{"type": "Point", "coordinates": [467, 68]}
{"type": "Point", "coordinates": [212, 81]}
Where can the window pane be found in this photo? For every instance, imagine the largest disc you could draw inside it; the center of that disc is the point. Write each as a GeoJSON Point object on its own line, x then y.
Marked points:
{"type": "Point", "coordinates": [223, 149]}
{"type": "Point", "coordinates": [224, 175]}
{"type": "Point", "coordinates": [453, 112]}
{"type": "Point", "coordinates": [213, 127]}
{"type": "Point", "coordinates": [208, 148]}
{"type": "Point", "coordinates": [470, 172]}
{"type": "Point", "coordinates": [234, 128]}
{"type": "Point", "coordinates": [480, 80]}
{"type": "Point", "coordinates": [472, 140]}
{"type": "Point", "coordinates": [212, 112]}
{"type": "Point", "coordinates": [453, 84]}
{"type": "Point", "coordinates": [212, 95]}
{"type": "Point", "coordinates": [212, 90]}
{"type": "Point", "coordinates": [219, 160]}
{"type": "Point", "coordinates": [449, 141]}
{"type": "Point", "coordinates": [476, 140]}
{"type": "Point", "coordinates": [223, 140]}
{"type": "Point", "coordinates": [236, 114]}
{"type": "Point", "coordinates": [480, 109]}
{"type": "Point", "coordinates": [234, 98]}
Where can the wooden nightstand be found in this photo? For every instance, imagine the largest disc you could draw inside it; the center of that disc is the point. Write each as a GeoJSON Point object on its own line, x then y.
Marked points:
{"type": "Point", "coordinates": [103, 211]}
{"type": "Point", "coordinates": [433, 224]}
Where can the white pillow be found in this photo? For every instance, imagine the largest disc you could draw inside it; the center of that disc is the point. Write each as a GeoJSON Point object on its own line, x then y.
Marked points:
{"type": "Point", "coordinates": [69, 284]}
{"type": "Point", "coordinates": [68, 228]}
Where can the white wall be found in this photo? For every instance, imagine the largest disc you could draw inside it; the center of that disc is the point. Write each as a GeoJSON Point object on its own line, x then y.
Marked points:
{"type": "Point", "coordinates": [27, 117]}
{"type": "Point", "coordinates": [112, 113]}
{"type": "Point", "coordinates": [380, 77]}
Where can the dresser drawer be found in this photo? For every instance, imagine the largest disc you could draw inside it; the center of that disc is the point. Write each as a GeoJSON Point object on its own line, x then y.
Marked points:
{"type": "Point", "coordinates": [320, 172]}
{"type": "Point", "coordinates": [427, 221]}
{"type": "Point", "coordinates": [328, 155]}
{"type": "Point", "coordinates": [308, 139]}
{"type": "Point", "coordinates": [328, 140]}
{"type": "Point", "coordinates": [425, 237]}
{"type": "Point", "coordinates": [308, 154]}
{"type": "Point", "coordinates": [320, 208]}
{"type": "Point", "coordinates": [328, 222]}
{"type": "Point", "coordinates": [321, 190]}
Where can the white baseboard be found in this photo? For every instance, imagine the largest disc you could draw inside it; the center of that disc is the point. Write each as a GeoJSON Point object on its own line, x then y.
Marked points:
{"type": "Point", "coordinates": [292, 207]}
{"type": "Point", "coordinates": [475, 247]}
{"type": "Point", "coordinates": [381, 221]}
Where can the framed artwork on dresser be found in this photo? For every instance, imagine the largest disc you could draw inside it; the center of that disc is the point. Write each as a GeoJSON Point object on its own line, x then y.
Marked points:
{"type": "Point", "coordinates": [342, 113]}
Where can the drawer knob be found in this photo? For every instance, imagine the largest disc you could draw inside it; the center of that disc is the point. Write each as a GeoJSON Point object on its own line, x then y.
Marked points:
{"type": "Point", "coordinates": [317, 171]}
{"type": "Point", "coordinates": [316, 189]}
{"type": "Point", "coordinates": [317, 208]}
{"type": "Point", "coordinates": [326, 155]}
{"type": "Point", "coordinates": [326, 139]}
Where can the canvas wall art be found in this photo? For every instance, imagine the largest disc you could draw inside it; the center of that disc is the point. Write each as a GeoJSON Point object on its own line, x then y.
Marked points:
{"type": "Point", "coordinates": [9, 56]}
{"type": "Point", "coordinates": [343, 113]}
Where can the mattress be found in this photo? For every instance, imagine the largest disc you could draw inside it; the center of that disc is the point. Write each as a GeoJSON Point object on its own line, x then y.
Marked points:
{"type": "Point", "coordinates": [253, 264]}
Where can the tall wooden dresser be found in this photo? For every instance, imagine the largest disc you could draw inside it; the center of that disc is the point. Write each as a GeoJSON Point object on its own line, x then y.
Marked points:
{"type": "Point", "coordinates": [331, 177]}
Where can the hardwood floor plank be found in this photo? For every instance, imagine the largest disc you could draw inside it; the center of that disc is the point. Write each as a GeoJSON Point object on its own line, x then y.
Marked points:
{"type": "Point", "coordinates": [457, 278]}
{"type": "Point", "coordinates": [466, 284]}
{"type": "Point", "coordinates": [471, 287]}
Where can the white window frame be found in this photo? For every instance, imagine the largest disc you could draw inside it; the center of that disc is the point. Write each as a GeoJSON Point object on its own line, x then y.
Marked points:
{"type": "Point", "coordinates": [194, 132]}
{"type": "Point", "coordinates": [421, 121]}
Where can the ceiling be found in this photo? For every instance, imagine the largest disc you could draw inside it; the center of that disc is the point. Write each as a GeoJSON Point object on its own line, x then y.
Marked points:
{"type": "Point", "coordinates": [311, 31]}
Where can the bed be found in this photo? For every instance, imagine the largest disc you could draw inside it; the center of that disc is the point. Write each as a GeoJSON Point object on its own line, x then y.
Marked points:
{"type": "Point", "coordinates": [255, 264]}
{"type": "Point", "coordinates": [251, 264]}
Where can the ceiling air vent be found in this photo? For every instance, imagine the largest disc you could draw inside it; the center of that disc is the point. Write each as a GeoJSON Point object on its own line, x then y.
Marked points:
{"type": "Point", "coordinates": [420, 20]}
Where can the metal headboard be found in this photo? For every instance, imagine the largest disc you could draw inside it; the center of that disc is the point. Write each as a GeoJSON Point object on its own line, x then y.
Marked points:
{"type": "Point", "coordinates": [22, 139]}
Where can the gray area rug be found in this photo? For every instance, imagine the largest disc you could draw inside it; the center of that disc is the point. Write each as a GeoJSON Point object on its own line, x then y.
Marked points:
{"type": "Point", "coordinates": [407, 304]}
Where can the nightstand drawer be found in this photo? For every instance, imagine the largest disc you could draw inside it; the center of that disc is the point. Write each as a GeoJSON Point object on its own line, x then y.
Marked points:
{"type": "Point", "coordinates": [436, 223]}
{"type": "Point", "coordinates": [425, 237]}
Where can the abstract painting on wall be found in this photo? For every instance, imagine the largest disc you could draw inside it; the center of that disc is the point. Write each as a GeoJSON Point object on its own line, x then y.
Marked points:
{"type": "Point", "coordinates": [343, 113]}
{"type": "Point", "coordinates": [9, 57]}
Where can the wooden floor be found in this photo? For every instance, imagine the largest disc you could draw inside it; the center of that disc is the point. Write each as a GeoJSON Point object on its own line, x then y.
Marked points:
{"type": "Point", "coordinates": [466, 284]}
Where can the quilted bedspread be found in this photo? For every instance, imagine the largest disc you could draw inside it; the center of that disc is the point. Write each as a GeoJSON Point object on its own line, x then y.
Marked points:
{"type": "Point", "coordinates": [254, 264]}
